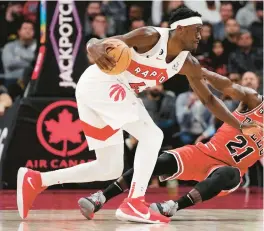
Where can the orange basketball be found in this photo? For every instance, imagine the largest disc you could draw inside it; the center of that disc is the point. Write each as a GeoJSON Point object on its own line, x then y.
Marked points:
{"type": "Point", "coordinates": [122, 55]}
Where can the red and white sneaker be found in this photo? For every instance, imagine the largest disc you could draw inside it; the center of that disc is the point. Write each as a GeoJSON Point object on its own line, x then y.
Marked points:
{"type": "Point", "coordinates": [29, 185]}
{"type": "Point", "coordinates": [135, 209]}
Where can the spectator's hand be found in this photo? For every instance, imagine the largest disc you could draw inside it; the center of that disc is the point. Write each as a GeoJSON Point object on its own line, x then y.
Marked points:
{"type": "Point", "coordinates": [2, 109]}
{"type": "Point", "coordinates": [5, 100]}
{"type": "Point", "coordinates": [199, 139]}
{"type": "Point", "coordinates": [98, 53]}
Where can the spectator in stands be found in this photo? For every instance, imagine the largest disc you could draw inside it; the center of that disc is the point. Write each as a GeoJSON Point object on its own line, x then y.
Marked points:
{"type": "Point", "coordinates": [206, 42]}
{"type": "Point", "coordinates": [135, 24]}
{"type": "Point", "coordinates": [208, 9]}
{"type": "Point", "coordinates": [30, 10]}
{"type": "Point", "coordinates": [256, 27]}
{"type": "Point", "coordinates": [18, 55]}
{"type": "Point", "coordinates": [117, 11]}
{"type": "Point", "coordinates": [135, 12]}
{"type": "Point", "coordinates": [161, 9]}
{"type": "Point", "coordinates": [93, 9]}
{"type": "Point", "coordinates": [99, 27]}
{"type": "Point", "coordinates": [10, 21]}
{"type": "Point", "coordinates": [248, 79]}
{"type": "Point", "coordinates": [235, 77]}
{"type": "Point", "coordinates": [232, 30]}
{"type": "Point", "coordinates": [160, 105]}
{"type": "Point", "coordinates": [251, 80]}
{"type": "Point", "coordinates": [245, 58]}
{"type": "Point", "coordinates": [247, 14]}
{"type": "Point", "coordinates": [5, 100]}
{"type": "Point", "coordinates": [193, 118]}
{"type": "Point", "coordinates": [217, 59]}
{"type": "Point", "coordinates": [164, 22]}
{"type": "Point", "coordinates": [226, 12]}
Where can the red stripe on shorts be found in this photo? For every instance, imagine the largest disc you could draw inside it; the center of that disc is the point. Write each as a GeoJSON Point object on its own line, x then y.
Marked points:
{"type": "Point", "coordinates": [98, 133]}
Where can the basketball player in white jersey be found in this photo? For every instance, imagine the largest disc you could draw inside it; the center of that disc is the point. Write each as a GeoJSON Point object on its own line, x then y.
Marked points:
{"type": "Point", "coordinates": [108, 105]}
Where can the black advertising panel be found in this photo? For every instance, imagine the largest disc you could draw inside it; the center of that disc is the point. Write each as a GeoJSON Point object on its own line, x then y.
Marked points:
{"type": "Point", "coordinates": [62, 54]}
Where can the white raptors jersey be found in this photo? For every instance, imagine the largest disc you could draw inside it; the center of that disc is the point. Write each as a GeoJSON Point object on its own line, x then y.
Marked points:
{"type": "Point", "coordinates": [150, 69]}
{"type": "Point", "coordinates": [145, 70]}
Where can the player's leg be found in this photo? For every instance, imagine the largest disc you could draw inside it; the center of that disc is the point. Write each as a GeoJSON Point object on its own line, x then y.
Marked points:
{"type": "Point", "coordinates": [31, 183]}
{"type": "Point", "coordinates": [166, 165]}
{"type": "Point", "coordinates": [223, 178]}
{"type": "Point", "coordinates": [149, 138]}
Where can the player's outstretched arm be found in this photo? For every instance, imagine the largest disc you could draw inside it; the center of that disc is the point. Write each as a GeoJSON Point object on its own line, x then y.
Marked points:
{"type": "Point", "coordinates": [193, 71]}
{"type": "Point", "coordinates": [235, 91]}
{"type": "Point", "coordinates": [143, 38]}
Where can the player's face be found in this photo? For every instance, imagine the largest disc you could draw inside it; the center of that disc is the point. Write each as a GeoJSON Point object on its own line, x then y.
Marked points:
{"type": "Point", "coordinates": [192, 36]}
{"type": "Point", "coordinates": [249, 79]}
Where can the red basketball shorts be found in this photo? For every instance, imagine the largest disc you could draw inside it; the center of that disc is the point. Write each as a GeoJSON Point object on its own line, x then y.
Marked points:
{"type": "Point", "coordinates": [195, 165]}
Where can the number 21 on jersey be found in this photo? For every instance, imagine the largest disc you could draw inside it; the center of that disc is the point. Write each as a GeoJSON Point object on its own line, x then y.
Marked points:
{"type": "Point", "coordinates": [239, 149]}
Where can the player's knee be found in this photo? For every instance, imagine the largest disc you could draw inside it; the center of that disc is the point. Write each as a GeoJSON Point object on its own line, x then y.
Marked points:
{"type": "Point", "coordinates": [229, 175]}
{"type": "Point", "coordinates": [117, 170]}
{"type": "Point", "coordinates": [233, 176]}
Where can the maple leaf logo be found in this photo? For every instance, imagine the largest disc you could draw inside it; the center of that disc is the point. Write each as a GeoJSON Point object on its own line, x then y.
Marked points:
{"type": "Point", "coordinates": [64, 130]}
{"type": "Point", "coordinates": [117, 91]}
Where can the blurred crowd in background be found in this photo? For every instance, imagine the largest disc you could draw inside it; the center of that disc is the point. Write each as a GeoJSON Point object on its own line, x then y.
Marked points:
{"type": "Point", "coordinates": [231, 45]}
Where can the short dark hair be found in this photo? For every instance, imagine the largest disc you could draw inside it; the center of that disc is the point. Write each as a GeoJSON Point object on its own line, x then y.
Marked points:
{"type": "Point", "coordinates": [26, 21]}
{"type": "Point", "coordinates": [244, 31]}
{"type": "Point", "coordinates": [182, 12]}
{"type": "Point", "coordinates": [226, 3]}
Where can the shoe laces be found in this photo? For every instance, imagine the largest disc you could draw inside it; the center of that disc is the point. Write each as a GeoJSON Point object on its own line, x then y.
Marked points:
{"type": "Point", "coordinates": [97, 198]}
{"type": "Point", "coordinates": [169, 208]}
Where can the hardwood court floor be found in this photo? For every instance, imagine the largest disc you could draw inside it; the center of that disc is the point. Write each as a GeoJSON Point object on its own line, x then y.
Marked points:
{"type": "Point", "coordinates": [57, 210]}
{"type": "Point", "coordinates": [187, 220]}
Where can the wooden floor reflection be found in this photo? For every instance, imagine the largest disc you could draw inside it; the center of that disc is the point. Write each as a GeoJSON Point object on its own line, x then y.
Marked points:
{"type": "Point", "coordinates": [187, 220]}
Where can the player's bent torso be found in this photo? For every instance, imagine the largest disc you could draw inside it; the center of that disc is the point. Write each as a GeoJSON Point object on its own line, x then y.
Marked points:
{"type": "Point", "coordinates": [233, 148]}
{"type": "Point", "coordinates": [145, 70]}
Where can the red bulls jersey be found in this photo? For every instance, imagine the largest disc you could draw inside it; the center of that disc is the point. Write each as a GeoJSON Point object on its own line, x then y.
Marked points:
{"type": "Point", "coordinates": [232, 147]}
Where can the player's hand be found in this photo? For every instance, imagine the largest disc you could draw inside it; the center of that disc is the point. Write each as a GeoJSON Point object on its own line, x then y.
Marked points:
{"type": "Point", "coordinates": [252, 128]}
{"type": "Point", "coordinates": [98, 53]}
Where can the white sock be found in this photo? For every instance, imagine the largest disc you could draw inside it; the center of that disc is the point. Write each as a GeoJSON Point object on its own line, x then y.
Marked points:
{"type": "Point", "coordinates": [107, 166]}
{"type": "Point", "coordinates": [150, 139]}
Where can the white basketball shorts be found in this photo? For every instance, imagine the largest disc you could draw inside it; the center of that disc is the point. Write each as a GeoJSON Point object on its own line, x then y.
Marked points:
{"type": "Point", "coordinates": [104, 106]}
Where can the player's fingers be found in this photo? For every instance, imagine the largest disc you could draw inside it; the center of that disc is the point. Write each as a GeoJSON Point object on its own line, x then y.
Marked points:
{"type": "Point", "coordinates": [106, 64]}
{"type": "Point", "coordinates": [109, 46]}
{"type": "Point", "coordinates": [111, 60]}
{"type": "Point", "coordinates": [259, 124]}
{"type": "Point", "coordinates": [99, 65]}
{"type": "Point", "coordinates": [102, 63]}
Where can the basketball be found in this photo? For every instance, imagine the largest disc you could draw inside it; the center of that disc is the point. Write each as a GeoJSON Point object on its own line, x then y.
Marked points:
{"type": "Point", "coordinates": [122, 55]}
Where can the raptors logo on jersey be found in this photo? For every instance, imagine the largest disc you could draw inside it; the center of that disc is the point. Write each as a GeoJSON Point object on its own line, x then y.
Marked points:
{"type": "Point", "coordinates": [232, 147]}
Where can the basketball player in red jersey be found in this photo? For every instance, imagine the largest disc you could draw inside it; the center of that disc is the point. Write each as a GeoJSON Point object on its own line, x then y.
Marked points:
{"type": "Point", "coordinates": [217, 165]}
{"type": "Point", "coordinates": [107, 106]}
